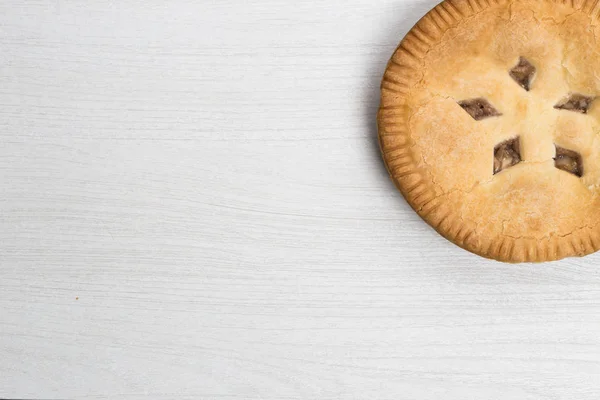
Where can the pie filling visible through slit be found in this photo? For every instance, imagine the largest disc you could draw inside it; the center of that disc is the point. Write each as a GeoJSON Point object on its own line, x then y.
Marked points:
{"type": "Point", "coordinates": [523, 73]}
{"type": "Point", "coordinates": [479, 108]}
{"type": "Point", "coordinates": [507, 154]}
{"type": "Point", "coordinates": [575, 102]}
{"type": "Point", "coordinates": [568, 160]}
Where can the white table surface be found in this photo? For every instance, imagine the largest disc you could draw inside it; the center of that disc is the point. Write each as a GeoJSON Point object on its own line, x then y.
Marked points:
{"type": "Point", "coordinates": [193, 206]}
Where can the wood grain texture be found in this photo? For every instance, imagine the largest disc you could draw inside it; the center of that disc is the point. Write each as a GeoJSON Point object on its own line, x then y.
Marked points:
{"type": "Point", "coordinates": [193, 206]}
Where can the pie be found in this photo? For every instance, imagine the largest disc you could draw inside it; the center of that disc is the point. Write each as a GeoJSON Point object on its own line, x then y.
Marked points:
{"type": "Point", "coordinates": [490, 127]}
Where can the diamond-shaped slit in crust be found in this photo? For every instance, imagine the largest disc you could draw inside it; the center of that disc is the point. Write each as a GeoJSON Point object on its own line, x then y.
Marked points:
{"type": "Point", "coordinates": [479, 108]}
{"type": "Point", "coordinates": [575, 102]}
{"type": "Point", "coordinates": [507, 154]}
{"type": "Point", "coordinates": [523, 73]}
{"type": "Point", "coordinates": [568, 160]}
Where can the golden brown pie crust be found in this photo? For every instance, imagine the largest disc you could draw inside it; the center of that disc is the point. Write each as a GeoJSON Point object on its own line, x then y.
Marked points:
{"type": "Point", "coordinates": [442, 159]}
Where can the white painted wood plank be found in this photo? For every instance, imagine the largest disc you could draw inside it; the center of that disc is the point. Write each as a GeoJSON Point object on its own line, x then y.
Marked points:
{"type": "Point", "coordinates": [192, 205]}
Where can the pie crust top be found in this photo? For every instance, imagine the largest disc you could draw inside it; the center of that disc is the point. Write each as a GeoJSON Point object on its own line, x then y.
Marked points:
{"type": "Point", "coordinates": [489, 125]}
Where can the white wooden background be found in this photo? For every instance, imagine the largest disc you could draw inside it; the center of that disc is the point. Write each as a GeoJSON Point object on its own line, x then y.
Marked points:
{"type": "Point", "coordinates": [193, 206]}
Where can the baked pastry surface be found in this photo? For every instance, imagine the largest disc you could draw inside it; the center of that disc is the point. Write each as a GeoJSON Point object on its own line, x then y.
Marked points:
{"type": "Point", "coordinates": [489, 125]}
